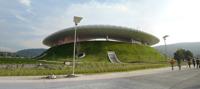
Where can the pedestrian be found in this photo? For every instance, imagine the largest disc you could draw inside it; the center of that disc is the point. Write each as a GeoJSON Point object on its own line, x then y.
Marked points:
{"type": "Point", "coordinates": [179, 64]}
{"type": "Point", "coordinates": [172, 62]}
{"type": "Point", "coordinates": [193, 62]}
{"type": "Point", "coordinates": [197, 62]}
{"type": "Point", "coordinates": [189, 63]}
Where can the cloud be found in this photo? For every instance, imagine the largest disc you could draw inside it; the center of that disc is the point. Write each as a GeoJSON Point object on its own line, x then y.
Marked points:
{"type": "Point", "coordinates": [180, 19]}
{"type": "Point", "coordinates": [6, 49]}
{"type": "Point", "coordinates": [93, 13]}
{"type": "Point", "coordinates": [130, 14]}
{"type": "Point", "coordinates": [49, 18]}
{"type": "Point", "coordinates": [25, 2]}
{"type": "Point", "coordinates": [32, 43]}
{"type": "Point", "coordinates": [21, 18]}
{"type": "Point", "coordinates": [102, 13]}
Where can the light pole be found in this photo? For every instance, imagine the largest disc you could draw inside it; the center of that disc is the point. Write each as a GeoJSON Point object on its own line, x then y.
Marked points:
{"type": "Point", "coordinates": [164, 38]}
{"type": "Point", "coordinates": [76, 20]}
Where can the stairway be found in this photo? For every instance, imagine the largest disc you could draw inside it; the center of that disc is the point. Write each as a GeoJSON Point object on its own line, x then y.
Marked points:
{"type": "Point", "coordinates": [112, 57]}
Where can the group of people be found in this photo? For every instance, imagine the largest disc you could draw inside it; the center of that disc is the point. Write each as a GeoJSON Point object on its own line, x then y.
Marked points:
{"type": "Point", "coordinates": [194, 61]}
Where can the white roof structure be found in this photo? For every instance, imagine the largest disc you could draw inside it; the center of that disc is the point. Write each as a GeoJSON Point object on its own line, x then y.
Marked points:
{"type": "Point", "coordinates": [91, 32]}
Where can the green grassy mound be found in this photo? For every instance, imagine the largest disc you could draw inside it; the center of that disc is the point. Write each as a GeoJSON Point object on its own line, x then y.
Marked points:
{"type": "Point", "coordinates": [96, 51]}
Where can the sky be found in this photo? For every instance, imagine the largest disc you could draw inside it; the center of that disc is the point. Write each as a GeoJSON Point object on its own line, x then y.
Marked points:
{"type": "Point", "coordinates": [25, 23]}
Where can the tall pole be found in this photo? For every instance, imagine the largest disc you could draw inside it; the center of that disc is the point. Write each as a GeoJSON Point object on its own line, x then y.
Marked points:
{"type": "Point", "coordinates": [76, 21]}
{"type": "Point", "coordinates": [165, 48]}
{"type": "Point", "coordinates": [74, 54]}
{"type": "Point", "coordinates": [164, 37]}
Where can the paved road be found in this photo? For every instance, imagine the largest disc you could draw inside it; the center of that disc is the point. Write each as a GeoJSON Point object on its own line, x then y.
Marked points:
{"type": "Point", "coordinates": [184, 79]}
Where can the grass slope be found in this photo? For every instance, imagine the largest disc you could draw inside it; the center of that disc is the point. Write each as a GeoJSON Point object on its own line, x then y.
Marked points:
{"type": "Point", "coordinates": [83, 68]}
{"type": "Point", "coordinates": [96, 51]}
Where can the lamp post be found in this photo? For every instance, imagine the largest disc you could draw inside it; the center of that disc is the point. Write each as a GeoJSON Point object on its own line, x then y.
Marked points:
{"type": "Point", "coordinates": [164, 38]}
{"type": "Point", "coordinates": [76, 20]}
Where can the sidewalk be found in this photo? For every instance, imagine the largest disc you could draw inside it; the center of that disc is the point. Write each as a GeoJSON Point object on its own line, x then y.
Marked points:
{"type": "Point", "coordinates": [80, 77]}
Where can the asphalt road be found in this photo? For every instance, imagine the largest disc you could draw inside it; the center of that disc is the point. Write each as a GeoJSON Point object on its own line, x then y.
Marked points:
{"type": "Point", "coordinates": [184, 79]}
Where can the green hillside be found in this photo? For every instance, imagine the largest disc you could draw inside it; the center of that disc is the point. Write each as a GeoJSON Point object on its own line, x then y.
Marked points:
{"type": "Point", "coordinates": [96, 51]}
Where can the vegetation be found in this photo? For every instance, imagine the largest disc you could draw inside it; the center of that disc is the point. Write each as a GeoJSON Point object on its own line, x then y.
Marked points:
{"type": "Point", "coordinates": [97, 52]}
{"type": "Point", "coordinates": [25, 61]}
{"type": "Point", "coordinates": [179, 54]}
{"type": "Point", "coordinates": [83, 68]}
{"type": "Point", "coordinates": [30, 67]}
{"type": "Point", "coordinates": [17, 61]}
{"type": "Point", "coordinates": [133, 56]}
{"type": "Point", "coordinates": [182, 54]}
{"type": "Point", "coordinates": [188, 55]}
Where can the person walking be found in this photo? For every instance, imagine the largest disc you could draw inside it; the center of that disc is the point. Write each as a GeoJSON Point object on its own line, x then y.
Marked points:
{"type": "Point", "coordinates": [193, 62]}
{"type": "Point", "coordinates": [172, 62]}
{"type": "Point", "coordinates": [189, 63]}
{"type": "Point", "coordinates": [197, 62]}
{"type": "Point", "coordinates": [179, 64]}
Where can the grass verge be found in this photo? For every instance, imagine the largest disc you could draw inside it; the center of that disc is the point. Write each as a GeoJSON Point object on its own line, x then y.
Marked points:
{"type": "Point", "coordinates": [26, 61]}
{"type": "Point", "coordinates": [82, 68]}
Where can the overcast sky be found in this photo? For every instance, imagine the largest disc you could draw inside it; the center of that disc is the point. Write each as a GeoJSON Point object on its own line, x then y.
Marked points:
{"type": "Point", "coordinates": [25, 23]}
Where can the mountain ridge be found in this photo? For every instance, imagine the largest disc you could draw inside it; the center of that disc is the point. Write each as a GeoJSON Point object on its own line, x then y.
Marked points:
{"type": "Point", "coordinates": [194, 47]}
{"type": "Point", "coordinates": [30, 53]}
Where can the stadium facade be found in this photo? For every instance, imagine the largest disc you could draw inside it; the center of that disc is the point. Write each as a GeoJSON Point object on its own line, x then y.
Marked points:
{"type": "Point", "coordinates": [92, 32]}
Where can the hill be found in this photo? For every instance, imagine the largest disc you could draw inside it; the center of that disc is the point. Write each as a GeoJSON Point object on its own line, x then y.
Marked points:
{"type": "Point", "coordinates": [7, 54]}
{"type": "Point", "coordinates": [30, 53]}
{"type": "Point", "coordinates": [96, 51]}
{"type": "Point", "coordinates": [194, 47]}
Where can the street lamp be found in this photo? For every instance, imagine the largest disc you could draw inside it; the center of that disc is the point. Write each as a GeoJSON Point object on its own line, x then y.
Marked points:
{"type": "Point", "coordinates": [76, 20]}
{"type": "Point", "coordinates": [164, 38]}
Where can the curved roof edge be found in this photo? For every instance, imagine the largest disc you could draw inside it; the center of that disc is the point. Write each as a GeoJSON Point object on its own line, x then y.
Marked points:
{"type": "Point", "coordinates": [90, 32]}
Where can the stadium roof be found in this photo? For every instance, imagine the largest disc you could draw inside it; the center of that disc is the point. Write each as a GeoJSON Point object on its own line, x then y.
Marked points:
{"type": "Point", "coordinates": [91, 32]}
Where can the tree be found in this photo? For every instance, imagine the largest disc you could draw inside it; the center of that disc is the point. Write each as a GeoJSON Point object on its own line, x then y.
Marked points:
{"type": "Point", "coordinates": [188, 55]}
{"type": "Point", "coordinates": [182, 54]}
{"type": "Point", "coordinates": [179, 55]}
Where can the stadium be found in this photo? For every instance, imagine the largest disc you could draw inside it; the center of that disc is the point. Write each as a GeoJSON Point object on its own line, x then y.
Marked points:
{"type": "Point", "coordinates": [96, 43]}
